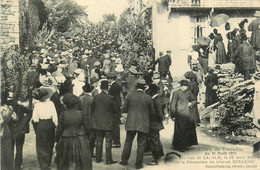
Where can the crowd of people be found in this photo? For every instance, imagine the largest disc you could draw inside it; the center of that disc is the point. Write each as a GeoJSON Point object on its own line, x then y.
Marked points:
{"type": "Point", "coordinates": [79, 85]}
{"type": "Point", "coordinates": [241, 50]}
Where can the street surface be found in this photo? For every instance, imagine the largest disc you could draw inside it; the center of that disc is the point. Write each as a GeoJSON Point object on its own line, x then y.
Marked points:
{"type": "Point", "coordinates": [211, 154]}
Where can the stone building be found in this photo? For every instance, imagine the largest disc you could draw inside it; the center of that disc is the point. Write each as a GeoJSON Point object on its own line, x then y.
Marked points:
{"type": "Point", "coordinates": [20, 21]}
{"type": "Point", "coordinates": [178, 23]}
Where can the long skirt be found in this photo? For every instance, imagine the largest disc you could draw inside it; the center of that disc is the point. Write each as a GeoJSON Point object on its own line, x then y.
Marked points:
{"type": "Point", "coordinates": [221, 57]}
{"type": "Point", "coordinates": [212, 59]}
{"type": "Point", "coordinates": [7, 155]}
{"type": "Point", "coordinates": [204, 64]}
{"type": "Point", "coordinates": [74, 153]}
{"type": "Point", "coordinates": [184, 134]}
{"type": "Point", "coordinates": [45, 139]}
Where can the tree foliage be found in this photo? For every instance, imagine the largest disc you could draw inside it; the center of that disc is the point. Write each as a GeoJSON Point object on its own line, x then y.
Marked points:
{"type": "Point", "coordinates": [232, 114]}
{"type": "Point", "coordinates": [63, 14]}
{"type": "Point", "coordinates": [109, 17]}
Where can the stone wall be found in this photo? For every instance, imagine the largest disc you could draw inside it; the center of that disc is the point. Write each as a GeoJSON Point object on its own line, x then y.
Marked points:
{"type": "Point", "coordinates": [20, 22]}
{"type": "Point", "coordinates": [9, 22]}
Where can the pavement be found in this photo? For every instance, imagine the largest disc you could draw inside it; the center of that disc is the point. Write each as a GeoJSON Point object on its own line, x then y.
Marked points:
{"type": "Point", "coordinates": [211, 153]}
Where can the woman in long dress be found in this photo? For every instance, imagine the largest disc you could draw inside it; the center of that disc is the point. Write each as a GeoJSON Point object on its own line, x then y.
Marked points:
{"type": "Point", "coordinates": [211, 82]}
{"type": "Point", "coordinates": [212, 52]}
{"type": "Point", "coordinates": [73, 146]}
{"type": "Point", "coordinates": [184, 129]}
{"type": "Point", "coordinates": [221, 57]}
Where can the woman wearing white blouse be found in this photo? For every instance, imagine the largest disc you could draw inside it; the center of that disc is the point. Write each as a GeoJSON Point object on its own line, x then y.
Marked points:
{"type": "Point", "coordinates": [45, 120]}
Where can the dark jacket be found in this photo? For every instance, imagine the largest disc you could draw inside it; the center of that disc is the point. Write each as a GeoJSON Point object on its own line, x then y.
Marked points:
{"type": "Point", "coordinates": [156, 120]}
{"type": "Point", "coordinates": [86, 103]}
{"type": "Point", "coordinates": [139, 107]}
{"type": "Point", "coordinates": [246, 56]}
{"type": "Point", "coordinates": [254, 26]}
{"type": "Point", "coordinates": [71, 123]}
{"type": "Point", "coordinates": [104, 109]}
{"type": "Point", "coordinates": [164, 63]}
{"type": "Point", "coordinates": [130, 83]}
{"type": "Point", "coordinates": [20, 126]}
{"type": "Point", "coordinates": [115, 90]}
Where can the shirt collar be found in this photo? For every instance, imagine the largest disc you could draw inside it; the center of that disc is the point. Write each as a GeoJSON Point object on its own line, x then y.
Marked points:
{"type": "Point", "coordinates": [113, 82]}
{"type": "Point", "coordinates": [139, 90]}
{"type": "Point", "coordinates": [88, 94]}
{"type": "Point", "coordinates": [155, 96]}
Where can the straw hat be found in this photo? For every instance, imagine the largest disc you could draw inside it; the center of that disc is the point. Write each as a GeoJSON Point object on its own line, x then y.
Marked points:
{"type": "Point", "coordinates": [119, 68]}
{"type": "Point", "coordinates": [97, 63]}
{"type": "Point", "coordinates": [46, 80]}
{"type": "Point", "coordinates": [257, 13]}
{"type": "Point", "coordinates": [118, 61]}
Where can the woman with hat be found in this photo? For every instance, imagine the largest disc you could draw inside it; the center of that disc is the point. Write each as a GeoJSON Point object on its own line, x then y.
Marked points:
{"type": "Point", "coordinates": [106, 64]}
{"type": "Point", "coordinates": [73, 146]}
{"type": "Point", "coordinates": [221, 57]}
{"type": "Point", "coordinates": [45, 120]}
{"type": "Point", "coordinates": [194, 88]}
{"type": "Point", "coordinates": [211, 82]}
{"type": "Point", "coordinates": [242, 29]}
{"type": "Point", "coordinates": [184, 129]}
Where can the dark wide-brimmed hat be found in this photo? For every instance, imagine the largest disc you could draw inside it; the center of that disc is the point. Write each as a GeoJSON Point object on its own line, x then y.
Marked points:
{"type": "Point", "coordinates": [184, 83]}
{"type": "Point", "coordinates": [44, 93]}
{"type": "Point", "coordinates": [190, 75]}
{"type": "Point", "coordinates": [86, 88]}
{"type": "Point", "coordinates": [104, 84]}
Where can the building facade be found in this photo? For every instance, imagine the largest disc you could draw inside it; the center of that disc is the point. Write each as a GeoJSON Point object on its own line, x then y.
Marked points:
{"type": "Point", "coordinates": [178, 23]}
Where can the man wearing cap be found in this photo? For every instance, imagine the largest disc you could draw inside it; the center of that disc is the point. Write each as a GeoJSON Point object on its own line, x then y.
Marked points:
{"type": "Point", "coordinates": [115, 90]}
{"type": "Point", "coordinates": [156, 125]}
{"type": "Point", "coordinates": [184, 129]}
{"type": "Point", "coordinates": [131, 80]}
{"type": "Point", "coordinates": [246, 56]}
{"type": "Point", "coordinates": [104, 110]}
{"type": "Point", "coordinates": [139, 107]}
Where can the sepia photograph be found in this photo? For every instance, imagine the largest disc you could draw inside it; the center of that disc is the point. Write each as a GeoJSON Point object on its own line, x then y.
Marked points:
{"type": "Point", "coordinates": [130, 84]}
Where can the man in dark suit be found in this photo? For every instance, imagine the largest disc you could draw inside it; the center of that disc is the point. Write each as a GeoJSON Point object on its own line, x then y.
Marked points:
{"type": "Point", "coordinates": [104, 110]}
{"type": "Point", "coordinates": [246, 56]}
{"type": "Point", "coordinates": [115, 90]}
{"type": "Point", "coordinates": [164, 65]}
{"type": "Point", "coordinates": [86, 103]}
{"type": "Point", "coordinates": [156, 125]}
{"type": "Point", "coordinates": [139, 107]}
{"type": "Point", "coordinates": [19, 125]}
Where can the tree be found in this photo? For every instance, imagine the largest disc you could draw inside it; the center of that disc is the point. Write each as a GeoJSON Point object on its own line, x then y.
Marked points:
{"type": "Point", "coordinates": [109, 17]}
{"type": "Point", "coordinates": [64, 14]}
